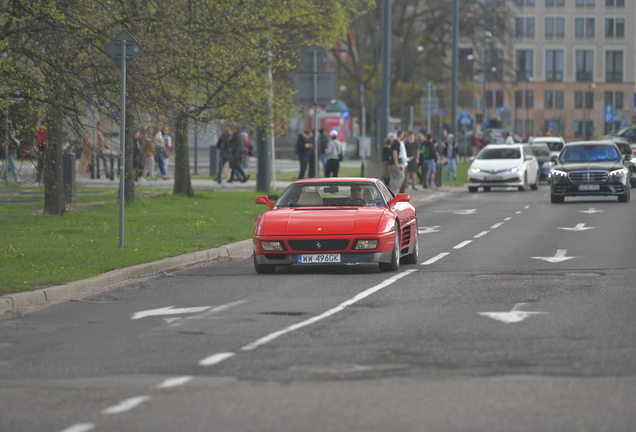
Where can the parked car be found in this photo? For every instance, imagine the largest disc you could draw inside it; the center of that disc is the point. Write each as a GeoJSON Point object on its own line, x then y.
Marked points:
{"type": "Point", "coordinates": [542, 153]}
{"type": "Point", "coordinates": [504, 165]}
{"type": "Point", "coordinates": [554, 143]}
{"type": "Point", "coordinates": [587, 168]}
{"type": "Point", "coordinates": [336, 221]}
{"type": "Point", "coordinates": [629, 159]}
{"type": "Point", "coordinates": [628, 133]}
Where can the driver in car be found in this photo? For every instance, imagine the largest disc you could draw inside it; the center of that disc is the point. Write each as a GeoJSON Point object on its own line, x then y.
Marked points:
{"type": "Point", "coordinates": [357, 195]}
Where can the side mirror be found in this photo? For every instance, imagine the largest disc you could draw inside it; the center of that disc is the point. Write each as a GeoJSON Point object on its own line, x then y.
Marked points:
{"type": "Point", "coordinates": [264, 200]}
{"type": "Point", "coordinates": [553, 159]}
{"type": "Point", "coordinates": [401, 197]}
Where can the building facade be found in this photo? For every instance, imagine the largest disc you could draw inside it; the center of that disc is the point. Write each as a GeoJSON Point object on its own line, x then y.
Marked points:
{"type": "Point", "coordinates": [569, 67]}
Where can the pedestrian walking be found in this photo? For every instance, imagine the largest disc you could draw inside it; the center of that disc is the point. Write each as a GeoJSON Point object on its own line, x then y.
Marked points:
{"type": "Point", "coordinates": [223, 145]}
{"type": "Point", "coordinates": [334, 155]}
{"type": "Point", "coordinates": [305, 152]}
{"type": "Point", "coordinates": [429, 158]}
{"type": "Point", "coordinates": [12, 148]}
{"type": "Point", "coordinates": [396, 170]}
{"type": "Point", "coordinates": [450, 155]}
{"type": "Point", "coordinates": [413, 155]}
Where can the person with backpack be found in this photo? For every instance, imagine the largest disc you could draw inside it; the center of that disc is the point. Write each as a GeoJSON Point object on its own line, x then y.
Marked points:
{"type": "Point", "coordinates": [429, 159]}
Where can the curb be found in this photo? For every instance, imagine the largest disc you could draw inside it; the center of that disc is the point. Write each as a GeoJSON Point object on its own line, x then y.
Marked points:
{"type": "Point", "coordinates": [23, 300]}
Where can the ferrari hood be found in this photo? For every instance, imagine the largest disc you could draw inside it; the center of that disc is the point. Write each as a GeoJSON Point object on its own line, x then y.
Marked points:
{"type": "Point", "coordinates": [322, 221]}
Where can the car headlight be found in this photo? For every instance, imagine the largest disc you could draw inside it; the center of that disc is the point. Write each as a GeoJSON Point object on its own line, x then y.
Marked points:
{"type": "Point", "coordinates": [272, 245]}
{"type": "Point", "coordinates": [474, 170]}
{"type": "Point", "coordinates": [366, 244]}
{"type": "Point", "coordinates": [515, 169]}
{"type": "Point", "coordinates": [619, 172]}
{"type": "Point", "coordinates": [558, 173]}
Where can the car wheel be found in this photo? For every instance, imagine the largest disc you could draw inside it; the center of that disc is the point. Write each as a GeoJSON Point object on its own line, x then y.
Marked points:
{"type": "Point", "coordinates": [472, 189]}
{"type": "Point", "coordinates": [525, 183]}
{"type": "Point", "coordinates": [414, 256]}
{"type": "Point", "coordinates": [535, 186]}
{"type": "Point", "coordinates": [264, 268]}
{"type": "Point", "coordinates": [625, 197]}
{"type": "Point", "coordinates": [555, 199]}
{"type": "Point", "coordinates": [486, 188]}
{"type": "Point", "coordinates": [394, 265]}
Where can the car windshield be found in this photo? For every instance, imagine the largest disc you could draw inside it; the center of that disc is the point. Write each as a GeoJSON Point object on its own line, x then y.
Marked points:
{"type": "Point", "coordinates": [540, 150]}
{"type": "Point", "coordinates": [499, 153]}
{"type": "Point", "coordinates": [589, 153]}
{"type": "Point", "coordinates": [331, 194]}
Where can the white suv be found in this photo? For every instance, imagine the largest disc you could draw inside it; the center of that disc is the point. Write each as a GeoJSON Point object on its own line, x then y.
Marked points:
{"type": "Point", "coordinates": [555, 143]}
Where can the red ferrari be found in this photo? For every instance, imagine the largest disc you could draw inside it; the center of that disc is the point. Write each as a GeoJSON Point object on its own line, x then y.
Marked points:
{"type": "Point", "coordinates": [336, 220]}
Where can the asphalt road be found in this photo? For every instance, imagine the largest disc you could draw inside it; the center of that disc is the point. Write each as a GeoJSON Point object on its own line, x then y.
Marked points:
{"type": "Point", "coordinates": [519, 317]}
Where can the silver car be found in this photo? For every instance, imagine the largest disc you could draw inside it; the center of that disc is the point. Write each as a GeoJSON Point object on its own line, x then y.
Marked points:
{"type": "Point", "coordinates": [504, 165]}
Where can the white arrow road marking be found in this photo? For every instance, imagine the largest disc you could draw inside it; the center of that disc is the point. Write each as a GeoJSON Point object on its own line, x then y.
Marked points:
{"type": "Point", "coordinates": [126, 405]}
{"type": "Point", "coordinates": [80, 427]}
{"type": "Point", "coordinates": [427, 230]}
{"type": "Point", "coordinates": [591, 210]}
{"type": "Point", "coordinates": [459, 212]}
{"type": "Point", "coordinates": [174, 382]}
{"type": "Point", "coordinates": [578, 227]}
{"type": "Point", "coordinates": [435, 258]}
{"type": "Point", "coordinates": [557, 258]}
{"type": "Point", "coordinates": [513, 316]}
{"type": "Point", "coordinates": [169, 311]}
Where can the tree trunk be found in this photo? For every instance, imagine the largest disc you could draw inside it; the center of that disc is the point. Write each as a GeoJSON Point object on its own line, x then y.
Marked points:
{"type": "Point", "coordinates": [52, 166]}
{"type": "Point", "coordinates": [129, 179]}
{"type": "Point", "coordinates": [182, 182]}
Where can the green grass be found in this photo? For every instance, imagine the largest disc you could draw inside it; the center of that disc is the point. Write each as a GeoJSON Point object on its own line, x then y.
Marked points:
{"type": "Point", "coordinates": [39, 250]}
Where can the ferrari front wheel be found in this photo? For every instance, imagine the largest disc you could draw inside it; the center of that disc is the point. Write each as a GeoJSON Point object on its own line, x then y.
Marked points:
{"type": "Point", "coordinates": [263, 268]}
{"type": "Point", "coordinates": [394, 265]}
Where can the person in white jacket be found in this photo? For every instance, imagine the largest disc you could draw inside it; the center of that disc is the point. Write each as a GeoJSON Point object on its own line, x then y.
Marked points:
{"type": "Point", "coordinates": [334, 155]}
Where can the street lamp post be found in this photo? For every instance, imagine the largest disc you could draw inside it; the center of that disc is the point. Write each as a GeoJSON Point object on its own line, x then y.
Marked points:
{"type": "Point", "coordinates": [487, 37]}
{"type": "Point", "coordinates": [528, 132]}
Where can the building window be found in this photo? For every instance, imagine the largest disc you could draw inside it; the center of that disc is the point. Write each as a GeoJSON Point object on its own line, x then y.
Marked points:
{"type": "Point", "coordinates": [578, 130]}
{"type": "Point", "coordinates": [529, 99]}
{"type": "Point", "coordinates": [489, 99]}
{"type": "Point", "coordinates": [585, 2]}
{"type": "Point", "coordinates": [614, 2]}
{"type": "Point", "coordinates": [519, 127]}
{"type": "Point", "coordinates": [549, 2]}
{"type": "Point", "coordinates": [619, 100]}
{"type": "Point", "coordinates": [609, 96]}
{"type": "Point", "coordinates": [549, 26]}
{"type": "Point", "coordinates": [614, 66]}
{"type": "Point", "coordinates": [561, 3]}
{"type": "Point", "coordinates": [578, 99]}
{"type": "Point", "coordinates": [524, 65]}
{"type": "Point", "coordinates": [589, 27]}
{"type": "Point", "coordinates": [589, 100]}
{"type": "Point", "coordinates": [529, 127]}
{"type": "Point", "coordinates": [584, 65]}
{"type": "Point", "coordinates": [558, 99]}
{"type": "Point", "coordinates": [615, 27]}
{"type": "Point", "coordinates": [494, 65]}
{"type": "Point", "coordinates": [554, 65]}
{"type": "Point", "coordinates": [518, 99]}
{"type": "Point", "coordinates": [499, 98]}
{"type": "Point", "coordinates": [530, 27]}
{"type": "Point", "coordinates": [584, 27]}
{"type": "Point", "coordinates": [519, 26]}
{"type": "Point", "coordinates": [560, 27]}
{"type": "Point", "coordinates": [549, 101]}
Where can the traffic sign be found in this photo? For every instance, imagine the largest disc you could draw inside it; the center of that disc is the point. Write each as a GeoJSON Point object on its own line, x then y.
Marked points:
{"type": "Point", "coordinates": [575, 126]}
{"type": "Point", "coordinates": [623, 120]}
{"type": "Point", "coordinates": [303, 85]}
{"type": "Point", "coordinates": [344, 114]}
{"type": "Point", "coordinates": [610, 113]}
{"type": "Point", "coordinates": [307, 58]}
{"type": "Point", "coordinates": [425, 107]}
{"type": "Point", "coordinates": [464, 118]}
{"type": "Point", "coordinates": [441, 112]}
{"type": "Point", "coordinates": [133, 49]}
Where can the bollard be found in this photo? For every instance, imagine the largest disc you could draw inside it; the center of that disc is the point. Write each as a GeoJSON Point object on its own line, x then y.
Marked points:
{"type": "Point", "coordinates": [68, 177]}
{"type": "Point", "coordinates": [213, 160]}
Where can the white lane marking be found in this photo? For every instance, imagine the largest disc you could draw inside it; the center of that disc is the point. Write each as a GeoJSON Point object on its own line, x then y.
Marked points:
{"type": "Point", "coordinates": [270, 337]}
{"type": "Point", "coordinates": [79, 427]}
{"type": "Point", "coordinates": [174, 382]}
{"type": "Point", "coordinates": [558, 257]}
{"type": "Point", "coordinates": [435, 258]}
{"type": "Point", "coordinates": [527, 207]}
{"type": "Point", "coordinates": [518, 212]}
{"type": "Point", "coordinates": [126, 405]}
{"type": "Point", "coordinates": [170, 310]}
{"type": "Point", "coordinates": [591, 210]}
{"type": "Point", "coordinates": [497, 225]}
{"type": "Point", "coordinates": [215, 358]}
{"type": "Point", "coordinates": [218, 309]}
{"type": "Point", "coordinates": [459, 212]}
{"type": "Point", "coordinates": [513, 316]}
{"type": "Point", "coordinates": [427, 230]}
{"type": "Point", "coordinates": [578, 227]}
{"type": "Point", "coordinates": [481, 234]}
{"type": "Point", "coordinates": [507, 219]}
{"type": "Point", "coordinates": [462, 244]}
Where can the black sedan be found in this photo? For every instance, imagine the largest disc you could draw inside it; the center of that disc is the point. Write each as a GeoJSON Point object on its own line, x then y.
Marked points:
{"type": "Point", "coordinates": [588, 168]}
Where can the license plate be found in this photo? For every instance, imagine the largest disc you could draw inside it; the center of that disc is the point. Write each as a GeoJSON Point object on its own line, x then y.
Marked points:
{"type": "Point", "coordinates": [589, 187]}
{"type": "Point", "coordinates": [493, 178]}
{"type": "Point", "coordinates": [318, 258]}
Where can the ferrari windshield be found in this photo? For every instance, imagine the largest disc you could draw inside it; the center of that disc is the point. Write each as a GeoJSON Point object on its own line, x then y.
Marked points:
{"type": "Point", "coordinates": [589, 153]}
{"type": "Point", "coordinates": [331, 194]}
{"type": "Point", "coordinates": [500, 153]}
